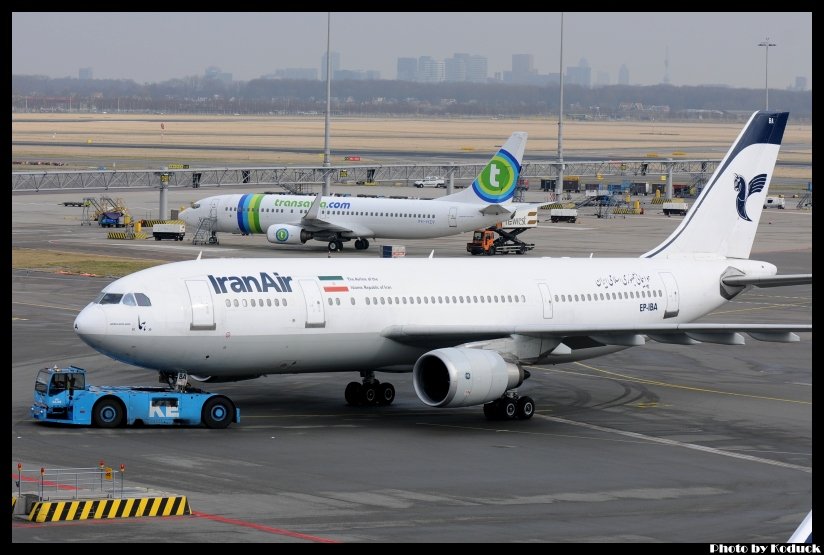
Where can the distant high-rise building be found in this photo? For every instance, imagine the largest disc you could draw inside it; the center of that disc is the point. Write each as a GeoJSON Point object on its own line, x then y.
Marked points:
{"type": "Point", "coordinates": [213, 72]}
{"type": "Point", "coordinates": [580, 74]}
{"type": "Point", "coordinates": [308, 73]}
{"type": "Point", "coordinates": [623, 75]}
{"type": "Point", "coordinates": [335, 63]}
{"type": "Point", "coordinates": [522, 64]}
{"type": "Point", "coordinates": [407, 69]}
{"type": "Point", "coordinates": [666, 67]}
{"type": "Point", "coordinates": [800, 84]}
{"type": "Point", "coordinates": [601, 78]}
{"type": "Point", "coordinates": [85, 73]}
{"type": "Point", "coordinates": [430, 70]}
{"type": "Point", "coordinates": [523, 68]}
{"type": "Point", "coordinates": [372, 75]}
{"type": "Point", "coordinates": [477, 70]}
{"type": "Point", "coordinates": [456, 68]}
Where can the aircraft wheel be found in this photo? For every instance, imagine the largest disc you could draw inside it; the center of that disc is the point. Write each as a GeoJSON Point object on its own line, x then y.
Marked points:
{"type": "Point", "coordinates": [525, 408]}
{"type": "Point", "coordinates": [508, 408]}
{"type": "Point", "coordinates": [339, 245]}
{"type": "Point", "coordinates": [108, 413]}
{"type": "Point", "coordinates": [386, 394]}
{"type": "Point", "coordinates": [352, 393]}
{"type": "Point", "coordinates": [333, 246]}
{"type": "Point", "coordinates": [365, 243]}
{"type": "Point", "coordinates": [491, 411]}
{"type": "Point", "coordinates": [217, 412]}
{"type": "Point", "coordinates": [369, 394]}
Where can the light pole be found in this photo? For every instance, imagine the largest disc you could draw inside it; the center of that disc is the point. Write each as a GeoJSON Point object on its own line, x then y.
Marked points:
{"type": "Point", "coordinates": [766, 44]}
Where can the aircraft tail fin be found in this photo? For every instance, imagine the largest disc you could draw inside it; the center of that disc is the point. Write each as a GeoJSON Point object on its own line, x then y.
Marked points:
{"type": "Point", "coordinates": [725, 216]}
{"type": "Point", "coordinates": [498, 180]}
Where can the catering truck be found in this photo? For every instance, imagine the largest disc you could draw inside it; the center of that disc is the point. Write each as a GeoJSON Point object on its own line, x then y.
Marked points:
{"type": "Point", "coordinates": [62, 395]}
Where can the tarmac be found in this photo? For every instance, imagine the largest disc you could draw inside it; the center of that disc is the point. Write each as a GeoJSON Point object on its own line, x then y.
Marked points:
{"type": "Point", "coordinates": [660, 443]}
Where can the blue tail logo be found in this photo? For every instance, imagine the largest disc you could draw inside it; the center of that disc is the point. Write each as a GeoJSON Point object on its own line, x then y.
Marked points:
{"type": "Point", "coordinates": [744, 192]}
{"type": "Point", "coordinates": [498, 180]}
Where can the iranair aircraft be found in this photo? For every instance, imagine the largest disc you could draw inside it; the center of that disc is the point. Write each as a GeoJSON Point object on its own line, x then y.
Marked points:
{"type": "Point", "coordinates": [295, 219]}
{"type": "Point", "coordinates": [464, 327]}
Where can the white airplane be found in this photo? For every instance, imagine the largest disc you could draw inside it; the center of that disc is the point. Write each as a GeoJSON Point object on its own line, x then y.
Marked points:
{"type": "Point", "coordinates": [463, 335]}
{"type": "Point", "coordinates": [295, 219]}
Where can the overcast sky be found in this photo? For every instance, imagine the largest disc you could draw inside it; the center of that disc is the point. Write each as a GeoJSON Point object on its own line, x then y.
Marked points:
{"type": "Point", "coordinates": [704, 48]}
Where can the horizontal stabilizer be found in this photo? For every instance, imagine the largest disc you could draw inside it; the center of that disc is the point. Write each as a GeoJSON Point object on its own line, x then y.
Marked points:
{"type": "Point", "coordinates": [494, 209]}
{"type": "Point", "coordinates": [769, 281]}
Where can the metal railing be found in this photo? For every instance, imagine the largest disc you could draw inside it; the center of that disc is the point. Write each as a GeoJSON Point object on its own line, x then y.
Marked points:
{"type": "Point", "coordinates": [297, 179]}
{"type": "Point", "coordinates": [71, 483]}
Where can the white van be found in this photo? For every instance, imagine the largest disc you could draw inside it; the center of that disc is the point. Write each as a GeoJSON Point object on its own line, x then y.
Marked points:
{"type": "Point", "coordinates": [774, 202]}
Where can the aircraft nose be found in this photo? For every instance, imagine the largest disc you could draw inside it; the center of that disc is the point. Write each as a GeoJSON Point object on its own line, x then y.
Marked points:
{"type": "Point", "coordinates": [90, 323]}
{"type": "Point", "coordinates": [186, 215]}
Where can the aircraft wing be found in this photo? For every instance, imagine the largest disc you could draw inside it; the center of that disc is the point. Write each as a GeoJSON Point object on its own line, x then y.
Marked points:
{"type": "Point", "coordinates": [769, 281]}
{"type": "Point", "coordinates": [629, 336]}
{"type": "Point", "coordinates": [311, 222]}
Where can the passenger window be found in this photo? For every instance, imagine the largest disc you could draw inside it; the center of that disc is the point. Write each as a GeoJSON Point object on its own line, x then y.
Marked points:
{"type": "Point", "coordinates": [383, 301]}
{"type": "Point", "coordinates": [252, 301]}
{"type": "Point", "coordinates": [228, 302]}
{"type": "Point", "coordinates": [426, 300]}
{"type": "Point", "coordinates": [440, 300]}
{"type": "Point", "coordinates": [268, 302]}
{"type": "Point", "coordinates": [235, 302]}
{"type": "Point", "coordinates": [337, 301]}
{"type": "Point", "coordinates": [330, 301]}
{"type": "Point", "coordinates": [352, 299]}
{"type": "Point", "coordinates": [284, 302]}
{"type": "Point", "coordinates": [389, 300]}
{"type": "Point", "coordinates": [367, 301]}
{"type": "Point", "coordinates": [128, 299]}
{"type": "Point", "coordinates": [244, 302]}
{"type": "Point", "coordinates": [576, 298]}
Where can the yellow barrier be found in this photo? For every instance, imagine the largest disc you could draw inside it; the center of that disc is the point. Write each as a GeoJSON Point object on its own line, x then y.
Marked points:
{"type": "Point", "coordinates": [53, 511]}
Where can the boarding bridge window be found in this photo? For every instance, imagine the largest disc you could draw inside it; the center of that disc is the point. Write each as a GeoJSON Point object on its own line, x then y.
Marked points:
{"type": "Point", "coordinates": [111, 298]}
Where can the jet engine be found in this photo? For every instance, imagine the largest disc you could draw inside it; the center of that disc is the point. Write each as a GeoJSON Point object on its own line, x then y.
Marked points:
{"type": "Point", "coordinates": [285, 234]}
{"type": "Point", "coordinates": [461, 377]}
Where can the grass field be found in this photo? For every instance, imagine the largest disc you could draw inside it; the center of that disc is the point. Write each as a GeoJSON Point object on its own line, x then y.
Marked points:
{"type": "Point", "coordinates": [86, 133]}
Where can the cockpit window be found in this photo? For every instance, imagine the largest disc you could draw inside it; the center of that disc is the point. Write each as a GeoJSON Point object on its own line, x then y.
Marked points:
{"type": "Point", "coordinates": [111, 298]}
{"type": "Point", "coordinates": [195, 205]}
{"type": "Point", "coordinates": [99, 297]}
{"type": "Point", "coordinates": [128, 299]}
{"type": "Point", "coordinates": [142, 300]}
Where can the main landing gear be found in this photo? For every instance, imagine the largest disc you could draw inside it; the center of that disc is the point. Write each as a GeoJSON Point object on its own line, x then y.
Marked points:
{"type": "Point", "coordinates": [510, 405]}
{"type": "Point", "coordinates": [361, 244]}
{"type": "Point", "coordinates": [369, 392]}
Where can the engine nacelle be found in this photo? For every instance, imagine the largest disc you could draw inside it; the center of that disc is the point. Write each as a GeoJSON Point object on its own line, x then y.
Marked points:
{"type": "Point", "coordinates": [285, 234]}
{"type": "Point", "coordinates": [461, 377]}
{"type": "Point", "coordinates": [223, 379]}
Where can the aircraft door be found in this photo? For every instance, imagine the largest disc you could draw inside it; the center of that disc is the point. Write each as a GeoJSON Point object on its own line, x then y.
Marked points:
{"type": "Point", "coordinates": [671, 288]}
{"type": "Point", "coordinates": [315, 317]}
{"type": "Point", "coordinates": [453, 216]}
{"type": "Point", "coordinates": [203, 314]}
{"type": "Point", "coordinates": [546, 298]}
